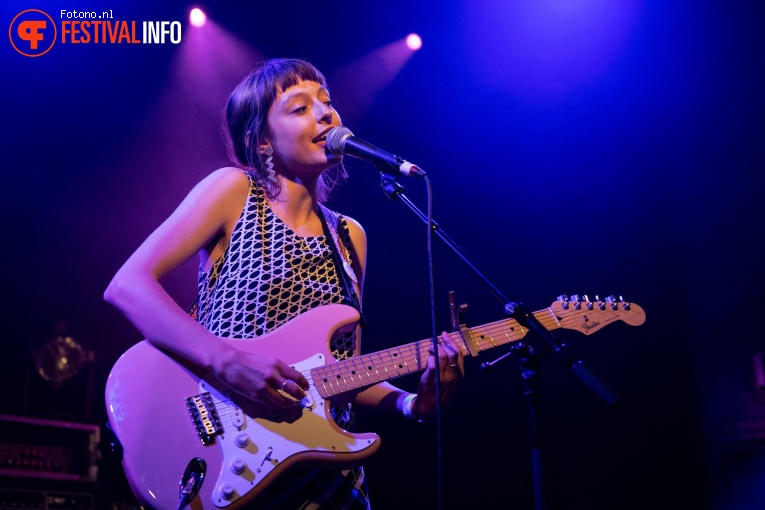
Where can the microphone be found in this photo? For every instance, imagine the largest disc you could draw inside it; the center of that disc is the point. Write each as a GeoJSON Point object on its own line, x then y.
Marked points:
{"type": "Point", "coordinates": [340, 140]}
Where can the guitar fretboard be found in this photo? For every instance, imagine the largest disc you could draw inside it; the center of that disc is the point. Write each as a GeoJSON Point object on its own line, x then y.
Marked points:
{"type": "Point", "coordinates": [363, 371]}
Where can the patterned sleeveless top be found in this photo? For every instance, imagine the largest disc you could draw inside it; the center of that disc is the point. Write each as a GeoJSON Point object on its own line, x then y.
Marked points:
{"type": "Point", "coordinates": [269, 275]}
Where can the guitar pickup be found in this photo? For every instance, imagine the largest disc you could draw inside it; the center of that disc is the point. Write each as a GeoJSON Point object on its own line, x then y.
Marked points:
{"type": "Point", "coordinates": [205, 417]}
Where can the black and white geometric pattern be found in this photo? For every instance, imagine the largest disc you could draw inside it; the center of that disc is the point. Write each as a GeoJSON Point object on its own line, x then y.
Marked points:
{"type": "Point", "coordinates": [268, 275]}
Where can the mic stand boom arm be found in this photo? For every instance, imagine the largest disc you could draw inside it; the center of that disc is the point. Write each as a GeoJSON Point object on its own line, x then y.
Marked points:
{"type": "Point", "coordinates": [527, 359]}
{"type": "Point", "coordinates": [395, 191]}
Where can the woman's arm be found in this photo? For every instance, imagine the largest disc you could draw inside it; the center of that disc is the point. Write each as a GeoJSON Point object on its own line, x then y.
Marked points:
{"type": "Point", "coordinates": [205, 218]}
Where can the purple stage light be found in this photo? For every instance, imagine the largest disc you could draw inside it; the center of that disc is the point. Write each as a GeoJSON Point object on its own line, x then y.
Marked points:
{"type": "Point", "coordinates": [197, 17]}
{"type": "Point", "coordinates": [413, 42]}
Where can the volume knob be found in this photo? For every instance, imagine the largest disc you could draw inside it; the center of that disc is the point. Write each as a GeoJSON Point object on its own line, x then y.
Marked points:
{"type": "Point", "coordinates": [241, 440]}
{"type": "Point", "coordinates": [227, 491]}
{"type": "Point", "coordinates": [238, 466]}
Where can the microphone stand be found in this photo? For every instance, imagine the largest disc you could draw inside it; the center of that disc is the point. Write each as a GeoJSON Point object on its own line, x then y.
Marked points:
{"type": "Point", "coordinates": [522, 351]}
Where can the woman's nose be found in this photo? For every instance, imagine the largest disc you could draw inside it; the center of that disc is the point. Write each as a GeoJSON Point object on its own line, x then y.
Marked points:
{"type": "Point", "coordinates": [325, 114]}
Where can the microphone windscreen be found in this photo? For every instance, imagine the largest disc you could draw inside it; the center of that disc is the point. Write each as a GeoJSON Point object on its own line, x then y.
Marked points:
{"type": "Point", "coordinates": [336, 139]}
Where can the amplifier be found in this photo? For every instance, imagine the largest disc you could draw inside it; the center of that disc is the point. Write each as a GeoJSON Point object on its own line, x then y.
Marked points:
{"type": "Point", "coordinates": [48, 449]}
{"type": "Point", "coordinates": [15, 499]}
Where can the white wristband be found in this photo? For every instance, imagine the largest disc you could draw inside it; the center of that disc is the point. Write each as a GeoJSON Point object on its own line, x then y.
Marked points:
{"type": "Point", "coordinates": [407, 409]}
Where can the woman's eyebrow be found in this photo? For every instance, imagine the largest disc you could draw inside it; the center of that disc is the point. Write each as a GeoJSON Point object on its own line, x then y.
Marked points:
{"type": "Point", "coordinates": [299, 93]}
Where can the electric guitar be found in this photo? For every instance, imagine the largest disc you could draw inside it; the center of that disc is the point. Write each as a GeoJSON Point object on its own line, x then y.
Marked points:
{"type": "Point", "coordinates": [184, 432]}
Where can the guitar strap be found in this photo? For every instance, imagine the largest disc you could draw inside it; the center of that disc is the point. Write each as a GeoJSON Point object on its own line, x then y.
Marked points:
{"type": "Point", "coordinates": [193, 310]}
{"type": "Point", "coordinates": [342, 258]}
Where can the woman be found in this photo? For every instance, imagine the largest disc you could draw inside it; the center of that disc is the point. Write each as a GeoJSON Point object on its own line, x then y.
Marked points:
{"type": "Point", "coordinates": [264, 259]}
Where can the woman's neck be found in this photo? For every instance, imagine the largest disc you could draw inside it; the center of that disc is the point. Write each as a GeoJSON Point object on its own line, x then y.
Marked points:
{"type": "Point", "coordinates": [296, 206]}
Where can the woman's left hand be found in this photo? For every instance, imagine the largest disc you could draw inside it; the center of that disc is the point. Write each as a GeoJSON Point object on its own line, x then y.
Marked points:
{"type": "Point", "coordinates": [451, 370]}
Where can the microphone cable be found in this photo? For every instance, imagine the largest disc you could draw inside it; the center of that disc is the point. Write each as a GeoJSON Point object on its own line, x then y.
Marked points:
{"type": "Point", "coordinates": [434, 339]}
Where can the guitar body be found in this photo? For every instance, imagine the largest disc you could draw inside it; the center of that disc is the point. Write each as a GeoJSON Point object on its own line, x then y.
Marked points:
{"type": "Point", "coordinates": [166, 412]}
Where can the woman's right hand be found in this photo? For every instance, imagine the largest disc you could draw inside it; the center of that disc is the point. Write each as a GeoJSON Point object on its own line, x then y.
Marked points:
{"type": "Point", "coordinates": [260, 378]}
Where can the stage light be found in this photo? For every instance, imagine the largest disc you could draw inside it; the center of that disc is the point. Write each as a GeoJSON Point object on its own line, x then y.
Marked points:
{"type": "Point", "coordinates": [197, 17]}
{"type": "Point", "coordinates": [413, 42]}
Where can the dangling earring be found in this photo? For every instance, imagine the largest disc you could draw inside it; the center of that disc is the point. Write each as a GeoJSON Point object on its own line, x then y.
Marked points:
{"type": "Point", "coordinates": [270, 174]}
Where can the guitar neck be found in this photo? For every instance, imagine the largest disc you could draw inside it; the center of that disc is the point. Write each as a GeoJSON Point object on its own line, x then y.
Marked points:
{"type": "Point", "coordinates": [360, 372]}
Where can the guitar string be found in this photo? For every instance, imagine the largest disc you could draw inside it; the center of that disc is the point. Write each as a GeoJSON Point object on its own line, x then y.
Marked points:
{"type": "Point", "coordinates": [485, 336]}
{"type": "Point", "coordinates": [409, 358]}
{"type": "Point", "coordinates": [506, 328]}
{"type": "Point", "coordinates": [401, 360]}
{"type": "Point", "coordinates": [409, 362]}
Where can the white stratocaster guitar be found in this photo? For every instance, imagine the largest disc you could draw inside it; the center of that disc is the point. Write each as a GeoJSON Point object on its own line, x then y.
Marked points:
{"type": "Point", "coordinates": [177, 422]}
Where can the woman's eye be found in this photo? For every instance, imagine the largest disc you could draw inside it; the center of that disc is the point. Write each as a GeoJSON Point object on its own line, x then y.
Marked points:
{"type": "Point", "coordinates": [300, 109]}
{"type": "Point", "coordinates": [328, 103]}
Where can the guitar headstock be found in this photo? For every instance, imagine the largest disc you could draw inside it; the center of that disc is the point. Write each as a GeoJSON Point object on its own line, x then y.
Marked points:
{"type": "Point", "coordinates": [581, 314]}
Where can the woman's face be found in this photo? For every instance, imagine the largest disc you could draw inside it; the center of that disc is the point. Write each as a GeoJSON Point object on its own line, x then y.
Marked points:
{"type": "Point", "coordinates": [298, 122]}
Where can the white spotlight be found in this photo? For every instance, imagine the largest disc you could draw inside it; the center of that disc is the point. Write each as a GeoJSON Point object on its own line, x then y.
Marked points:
{"type": "Point", "coordinates": [197, 17]}
{"type": "Point", "coordinates": [414, 42]}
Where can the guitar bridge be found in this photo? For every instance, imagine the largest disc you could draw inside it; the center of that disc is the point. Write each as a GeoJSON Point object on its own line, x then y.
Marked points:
{"type": "Point", "coordinates": [205, 417]}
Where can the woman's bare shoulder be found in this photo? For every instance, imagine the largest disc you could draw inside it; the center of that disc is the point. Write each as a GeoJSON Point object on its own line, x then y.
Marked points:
{"type": "Point", "coordinates": [354, 227]}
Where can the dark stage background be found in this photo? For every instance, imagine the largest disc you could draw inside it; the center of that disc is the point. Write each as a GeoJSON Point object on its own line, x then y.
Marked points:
{"type": "Point", "coordinates": [580, 147]}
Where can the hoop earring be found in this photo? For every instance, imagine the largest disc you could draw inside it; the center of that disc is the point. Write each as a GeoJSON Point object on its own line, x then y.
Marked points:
{"type": "Point", "coordinates": [270, 173]}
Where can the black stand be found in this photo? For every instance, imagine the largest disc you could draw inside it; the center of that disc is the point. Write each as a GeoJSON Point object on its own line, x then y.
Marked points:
{"type": "Point", "coordinates": [528, 360]}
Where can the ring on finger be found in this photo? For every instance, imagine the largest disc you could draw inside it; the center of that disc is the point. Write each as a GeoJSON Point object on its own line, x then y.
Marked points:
{"type": "Point", "coordinates": [284, 384]}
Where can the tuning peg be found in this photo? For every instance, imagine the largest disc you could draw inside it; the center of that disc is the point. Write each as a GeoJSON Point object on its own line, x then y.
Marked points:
{"type": "Point", "coordinates": [564, 300]}
{"type": "Point", "coordinates": [625, 304]}
{"type": "Point", "coordinates": [612, 301]}
{"type": "Point", "coordinates": [577, 302]}
{"type": "Point", "coordinates": [601, 304]}
{"type": "Point", "coordinates": [589, 303]}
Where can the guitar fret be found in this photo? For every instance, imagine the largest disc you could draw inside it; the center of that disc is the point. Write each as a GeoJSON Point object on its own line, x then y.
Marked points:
{"type": "Point", "coordinates": [550, 318]}
{"type": "Point", "coordinates": [507, 336]}
{"type": "Point", "coordinates": [329, 380]}
{"type": "Point", "coordinates": [409, 369]}
{"type": "Point", "coordinates": [384, 365]}
{"type": "Point", "coordinates": [461, 342]}
{"type": "Point", "coordinates": [396, 357]}
{"type": "Point", "coordinates": [391, 362]}
{"type": "Point", "coordinates": [483, 334]}
{"type": "Point", "coordinates": [355, 371]}
{"type": "Point", "coordinates": [324, 386]}
{"type": "Point", "coordinates": [491, 337]}
{"type": "Point", "coordinates": [377, 373]}
{"type": "Point", "coordinates": [340, 380]}
{"type": "Point", "coordinates": [513, 330]}
{"type": "Point", "coordinates": [332, 386]}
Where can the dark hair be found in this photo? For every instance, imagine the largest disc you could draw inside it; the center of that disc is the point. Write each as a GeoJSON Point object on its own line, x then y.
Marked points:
{"type": "Point", "coordinates": [247, 118]}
